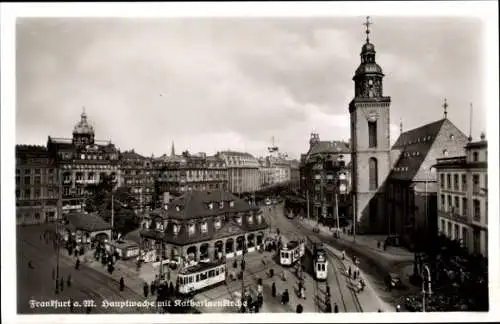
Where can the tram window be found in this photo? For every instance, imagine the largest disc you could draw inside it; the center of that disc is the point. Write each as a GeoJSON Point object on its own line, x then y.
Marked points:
{"type": "Point", "coordinates": [211, 273]}
{"type": "Point", "coordinates": [197, 277]}
{"type": "Point", "coordinates": [217, 271]}
{"type": "Point", "coordinates": [181, 280]}
{"type": "Point", "coordinates": [190, 279]}
{"type": "Point", "coordinates": [203, 276]}
{"type": "Point", "coordinates": [222, 269]}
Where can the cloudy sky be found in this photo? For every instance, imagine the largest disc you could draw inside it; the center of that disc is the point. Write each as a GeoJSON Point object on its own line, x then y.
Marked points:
{"type": "Point", "coordinates": [227, 83]}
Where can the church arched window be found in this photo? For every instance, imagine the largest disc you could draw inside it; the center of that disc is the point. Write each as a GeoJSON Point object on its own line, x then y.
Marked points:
{"type": "Point", "coordinates": [372, 134]}
{"type": "Point", "coordinates": [373, 173]}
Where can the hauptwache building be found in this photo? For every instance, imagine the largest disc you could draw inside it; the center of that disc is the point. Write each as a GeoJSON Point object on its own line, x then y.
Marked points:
{"type": "Point", "coordinates": [202, 225]}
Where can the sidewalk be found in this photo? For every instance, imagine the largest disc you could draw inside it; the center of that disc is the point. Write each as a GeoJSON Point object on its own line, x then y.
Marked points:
{"type": "Point", "coordinates": [366, 241]}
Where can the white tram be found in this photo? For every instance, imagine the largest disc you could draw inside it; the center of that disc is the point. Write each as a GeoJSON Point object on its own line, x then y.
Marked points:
{"type": "Point", "coordinates": [292, 252]}
{"type": "Point", "coordinates": [200, 276]}
{"type": "Point", "coordinates": [319, 262]}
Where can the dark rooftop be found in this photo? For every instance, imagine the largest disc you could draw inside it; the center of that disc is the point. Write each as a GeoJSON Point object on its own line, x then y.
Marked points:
{"type": "Point", "coordinates": [332, 147]}
{"type": "Point", "coordinates": [414, 144]}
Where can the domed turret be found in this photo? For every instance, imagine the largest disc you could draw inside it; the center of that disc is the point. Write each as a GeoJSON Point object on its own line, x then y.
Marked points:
{"type": "Point", "coordinates": [83, 132]}
{"type": "Point", "coordinates": [368, 75]}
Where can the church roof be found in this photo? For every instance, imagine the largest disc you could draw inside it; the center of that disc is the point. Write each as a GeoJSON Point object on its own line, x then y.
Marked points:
{"type": "Point", "coordinates": [414, 145]}
{"type": "Point", "coordinates": [132, 155]}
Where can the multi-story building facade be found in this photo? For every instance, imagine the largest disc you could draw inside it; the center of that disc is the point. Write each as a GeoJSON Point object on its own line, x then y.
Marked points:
{"type": "Point", "coordinates": [463, 197]}
{"type": "Point", "coordinates": [242, 171]}
{"type": "Point", "coordinates": [37, 185]}
{"type": "Point", "coordinates": [410, 190]}
{"type": "Point", "coordinates": [138, 175]}
{"type": "Point", "coordinates": [325, 178]}
{"type": "Point", "coordinates": [201, 226]}
{"type": "Point", "coordinates": [179, 174]}
{"type": "Point", "coordinates": [82, 161]}
{"type": "Point", "coordinates": [274, 170]}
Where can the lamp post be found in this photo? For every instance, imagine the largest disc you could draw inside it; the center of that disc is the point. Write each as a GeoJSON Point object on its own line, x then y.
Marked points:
{"type": "Point", "coordinates": [243, 266]}
{"type": "Point", "coordinates": [428, 272]}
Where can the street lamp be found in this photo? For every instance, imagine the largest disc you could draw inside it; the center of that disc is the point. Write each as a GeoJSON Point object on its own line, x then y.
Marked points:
{"type": "Point", "coordinates": [243, 266]}
{"type": "Point", "coordinates": [428, 272]}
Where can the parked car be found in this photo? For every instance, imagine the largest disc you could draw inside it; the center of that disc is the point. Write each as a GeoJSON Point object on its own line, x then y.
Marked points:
{"type": "Point", "coordinates": [393, 240]}
{"type": "Point", "coordinates": [395, 280]}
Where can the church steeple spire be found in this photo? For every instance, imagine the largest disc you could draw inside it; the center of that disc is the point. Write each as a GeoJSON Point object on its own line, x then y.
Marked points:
{"type": "Point", "coordinates": [369, 75]}
{"type": "Point", "coordinates": [172, 150]}
{"type": "Point", "coordinates": [367, 24]}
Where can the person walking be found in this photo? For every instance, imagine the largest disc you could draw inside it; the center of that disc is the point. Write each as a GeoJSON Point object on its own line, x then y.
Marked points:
{"type": "Point", "coordinates": [61, 284]}
{"type": "Point", "coordinates": [328, 291]}
{"type": "Point", "coordinates": [299, 309]}
{"type": "Point", "coordinates": [273, 289]}
{"type": "Point", "coordinates": [398, 308]}
{"type": "Point", "coordinates": [335, 308]}
{"type": "Point", "coordinates": [77, 264]}
{"type": "Point", "coordinates": [146, 290]}
{"type": "Point", "coordinates": [68, 281]}
{"type": "Point", "coordinates": [122, 284]}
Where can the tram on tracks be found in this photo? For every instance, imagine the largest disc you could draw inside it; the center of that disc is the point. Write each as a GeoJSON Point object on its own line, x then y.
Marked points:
{"type": "Point", "coordinates": [291, 252]}
{"type": "Point", "coordinates": [200, 276]}
{"type": "Point", "coordinates": [315, 248]}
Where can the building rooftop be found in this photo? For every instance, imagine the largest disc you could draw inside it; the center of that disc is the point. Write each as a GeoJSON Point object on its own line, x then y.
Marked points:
{"type": "Point", "coordinates": [332, 147]}
{"type": "Point", "coordinates": [194, 204]}
{"type": "Point", "coordinates": [414, 144]}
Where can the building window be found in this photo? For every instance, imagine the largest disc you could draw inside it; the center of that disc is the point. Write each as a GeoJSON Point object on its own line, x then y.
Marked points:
{"type": "Point", "coordinates": [464, 182]}
{"type": "Point", "coordinates": [464, 236]}
{"type": "Point", "coordinates": [204, 227]}
{"type": "Point", "coordinates": [191, 229]}
{"type": "Point", "coordinates": [477, 210]}
{"type": "Point", "coordinates": [373, 174]}
{"type": "Point", "coordinates": [27, 193]}
{"type": "Point", "coordinates": [445, 152]}
{"type": "Point", "coordinates": [455, 182]}
{"type": "Point", "coordinates": [175, 229]}
{"type": "Point", "coordinates": [443, 202]}
{"type": "Point", "coordinates": [456, 237]}
{"type": "Point", "coordinates": [221, 205]}
{"type": "Point", "coordinates": [250, 219]}
{"type": "Point", "coordinates": [441, 176]}
{"type": "Point", "coordinates": [443, 225]}
{"type": "Point", "coordinates": [486, 181]}
{"type": "Point", "coordinates": [450, 204]}
{"type": "Point", "coordinates": [475, 184]}
{"type": "Point", "coordinates": [217, 223]}
{"type": "Point", "coordinates": [475, 156]}
{"type": "Point", "coordinates": [238, 220]}
{"type": "Point", "coordinates": [449, 230]}
{"type": "Point", "coordinates": [231, 203]}
{"type": "Point", "coordinates": [18, 193]}
{"type": "Point", "coordinates": [372, 134]}
{"type": "Point", "coordinates": [38, 180]}
{"type": "Point", "coordinates": [464, 207]}
{"type": "Point", "coordinates": [448, 181]}
{"type": "Point", "coordinates": [457, 204]}
{"type": "Point", "coordinates": [18, 180]}
{"type": "Point", "coordinates": [37, 193]}
{"type": "Point", "coordinates": [259, 218]}
{"type": "Point", "coordinates": [27, 180]}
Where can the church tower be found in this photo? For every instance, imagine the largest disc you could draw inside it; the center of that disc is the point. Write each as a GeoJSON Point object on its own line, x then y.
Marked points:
{"type": "Point", "coordinates": [370, 122]}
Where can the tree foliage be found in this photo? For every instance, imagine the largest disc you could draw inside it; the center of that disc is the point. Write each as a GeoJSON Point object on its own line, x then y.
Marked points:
{"type": "Point", "coordinates": [100, 201]}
